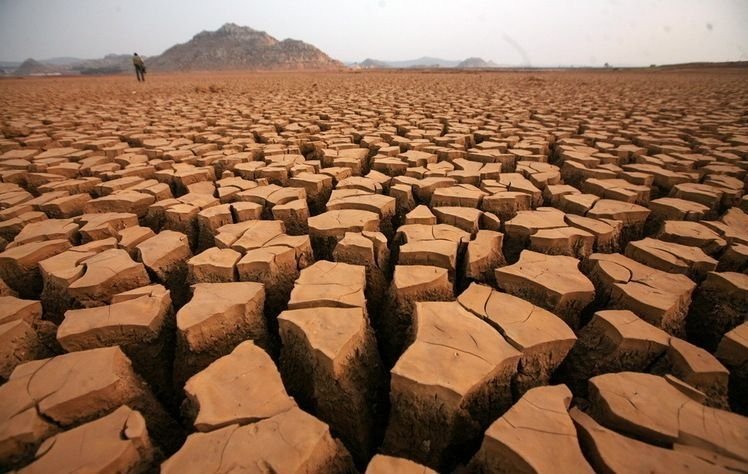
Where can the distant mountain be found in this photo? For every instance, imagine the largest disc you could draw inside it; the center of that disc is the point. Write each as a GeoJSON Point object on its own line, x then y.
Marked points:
{"type": "Point", "coordinates": [109, 64]}
{"type": "Point", "coordinates": [241, 47]}
{"type": "Point", "coordinates": [369, 63]}
{"type": "Point", "coordinates": [32, 67]}
{"type": "Point", "coordinates": [476, 63]}
{"type": "Point", "coordinates": [229, 47]}
{"type": "Point", "coordinates": [63, 61]}
{"type": "Point", "coordinates": [425, 62]}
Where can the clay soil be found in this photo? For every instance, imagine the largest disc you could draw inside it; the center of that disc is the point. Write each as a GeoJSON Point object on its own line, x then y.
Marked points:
{"type": "Point", "coordinates": [490, 271]}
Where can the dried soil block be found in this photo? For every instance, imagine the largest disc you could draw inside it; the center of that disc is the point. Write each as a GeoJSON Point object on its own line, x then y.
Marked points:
{"type": "Point", "coordinates": [438, 245]}
{"type": "Point", "coordinates": [633, 217]}
{"type": "Point", "coordinates": [448, 385]}
{"type": "Point", "coordinates": [542, 337]}
{"type": "Point", "coordinates": [674, 209]}
{"type": "Point", "coordinates": [246, 211]}
{"type": "Point", "coordinates": [383, 206]}
{"type": "Point", "coordinates": [59, 271]}
{"type": "Point", "coordinates": [540, 174]}
{"type": "Point", "coordinates": [117, 442]}
{"type": "Point", "coordinates": [183, 218]}
{"type": "Point", "coordinates": [121, 201]}
{"type": "Point", "coordinates": [106, 274]}
{"type": "Point", "coordinates": [165, 257]}
{"type": "Point", "coordinates": [47, 395]}
{"type": "Point", "coordinates": [213, 265]}
{"type": "Point", "coordinates": [22, 427]}
{"type": "Point", "coordinates": [14, 309]}
{"type": "Point", "coordinates": [657, 410]}
{"type": "Point", "coordinates": [240, 388]}
{"type": "Point", "coordinates": [185, 180]}
{"type": "Point", "coordinates": [521, 227]}
{"type": "Point", "coordinates": [19, 343]}
{"type": "Point", "coordinates": [551, 282]}
{"type": "Point", "coordinates": [569, 241]}
{"type": "Point", "coordinates": [363, 248]}
{"type": "Point", "coordinates": [535, 435]}
{"type": "Point", "coordinates": [464, 218]}
{"type": "Point", "coordinates": [410, 283]}
{"type": "Point", "coordinates": [578, 204]}
{"type": "Point", "coordinates": [694, 234]}
{"type": "Point", "coordinates": [506, 204]}
{"type": "Point", "coordinates": [271, 195]}
{"type": "Point", "coordinates": [483, 256]}
{"type": "Point", "coordinates": [518, 183]}
{"type": "Point", "coordinates": [423, 189]}
{"type": "Point", "coordinates": [658, 297]}
{"type": "Point", "coordinates": [369, 249]}
{"type": "Point", "coordinates": [405, 202]}
{"type": "Point", "coordinates": [276, 265]}
{"type": "Point", "coordinates": [115, 185]}
{"type": "Point", "coordinates": [330, 363]}
{"type": "Point", "coordinates": [420, 215]}
{"type": "Point", "coordinates": [140, 321]}
{"type": "Point", "coordinates": [65, 206]}
{"type": "Point", "coordinates": [326, 229]}
{"type": "Point", "coordinates": [317, 186]}
{"type": "Point", "coordinates": [19, 266]}
{"type": "Point", "coordinates": [607, 232]}
{"type": "Point", "coordinates": [293, 441]}
{"type": "Point", "coordinates": [218, 317]}
{"type": "Point", "coordinates": [608, 451]}
{"type": "Point", "coordinates": [294, 215]}
{"type": "Point", "coordinates": [672, 258]}
{"type": "Point", "coordinates": [129, 238]}
{"type": "Point", "coordinates": [698, 368]}
{"type": "Point", "coordinates": [553, 192]}
{"type": "Point", "coordinates": [613, 341]}
{"type": "Point", "coordinates": [245, 236]}
{"type": "Point", "coordinates": [381, 464]}
{"type": "Point", "coordinates": [10, 227]}
{"type": "Point", "coordinates": [733, 353]}
{"type": "Point", "coordinates": [734, 259]}
{"type": "Point", "coordinates": [102, 226]}
{"type": "Point", "coordinates": [209, 221]}
{"type": "Point", "coordinates": [704, 194]}
{"type": "Point", "coordinates": [390, 166]}
{"type": "Point", "coordinates": [329, 284]}
{"type": "Point", "coordinates": [733, 226]}
{"type": "Point", "coordinates": [49, 229]}
{"type": "Point", "coordinates": [617, 189]}
{"type": "Point", "coordinates": [720, 304]}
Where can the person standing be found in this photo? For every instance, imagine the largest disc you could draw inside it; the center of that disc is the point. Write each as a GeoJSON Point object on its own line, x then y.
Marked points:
{"type": "Point", "coordinates": [137, 61]}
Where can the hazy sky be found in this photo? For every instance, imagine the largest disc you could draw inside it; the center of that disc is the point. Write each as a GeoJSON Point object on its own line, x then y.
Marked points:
{"type": "Point", "coordinates": [550, 32]}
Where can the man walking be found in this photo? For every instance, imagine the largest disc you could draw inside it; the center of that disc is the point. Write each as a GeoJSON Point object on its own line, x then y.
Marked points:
{"type": "Point", "coordinates": [137, 61]}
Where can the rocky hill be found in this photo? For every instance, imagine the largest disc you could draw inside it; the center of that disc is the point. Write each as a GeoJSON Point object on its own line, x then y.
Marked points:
{"type": "Point", "coordinates": [369, 63]}
{"type": "Point", "coordinates": [472, 63]}
{"type": "Point", "coordinates": [32, 67]}
{"type": "Point", "coordinates": [425, 62]}
{"type": "Point", "coordinates": [241, 47]}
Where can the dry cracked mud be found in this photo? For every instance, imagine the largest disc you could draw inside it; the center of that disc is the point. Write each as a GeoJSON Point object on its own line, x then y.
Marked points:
{"type": "Point", "coordinates": [375, 272]}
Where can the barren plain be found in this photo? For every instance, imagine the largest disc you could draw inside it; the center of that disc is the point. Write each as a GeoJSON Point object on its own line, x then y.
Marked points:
{"type": "Point", "coordinates": [518, 271]}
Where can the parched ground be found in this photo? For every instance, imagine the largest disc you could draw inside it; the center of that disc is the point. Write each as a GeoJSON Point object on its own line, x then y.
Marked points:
{"type": "Point", "coordinates": [512, 271]}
